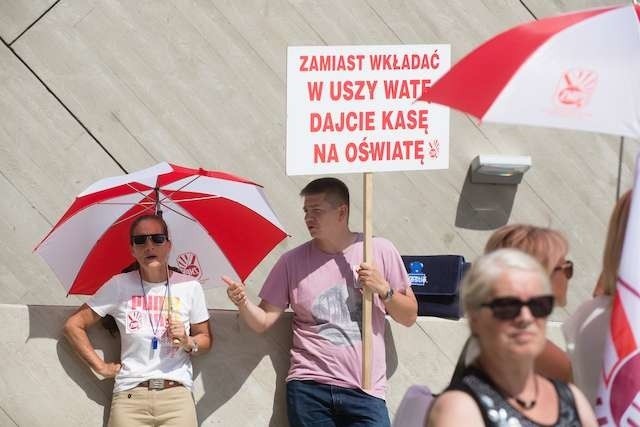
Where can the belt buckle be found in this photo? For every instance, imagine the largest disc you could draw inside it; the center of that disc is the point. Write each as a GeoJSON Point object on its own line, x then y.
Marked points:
{"type": "Point", "coordinates": [156, 384]}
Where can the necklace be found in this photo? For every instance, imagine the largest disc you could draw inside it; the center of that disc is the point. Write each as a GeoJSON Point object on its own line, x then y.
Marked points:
{"type": "Point", "coordinates": [521, 402]}
{"type": "Point", "coordinates": [154, 340]}
{"type": "Point", "coordinates": [529, 405]}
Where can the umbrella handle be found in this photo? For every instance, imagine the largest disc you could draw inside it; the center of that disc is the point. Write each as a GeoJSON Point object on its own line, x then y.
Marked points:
{"type": "Point", "coordinates": [175, 340]}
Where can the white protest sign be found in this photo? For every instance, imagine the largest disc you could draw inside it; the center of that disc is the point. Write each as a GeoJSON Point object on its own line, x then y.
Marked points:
{"type": "Point", "coordinates": [354, 109]}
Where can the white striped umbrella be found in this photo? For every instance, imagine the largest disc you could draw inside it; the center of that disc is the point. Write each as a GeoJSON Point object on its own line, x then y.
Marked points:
{"type": "Point", "coordinates": [218, 224]}
{"type": "Point", "coordinates": [578, 70]}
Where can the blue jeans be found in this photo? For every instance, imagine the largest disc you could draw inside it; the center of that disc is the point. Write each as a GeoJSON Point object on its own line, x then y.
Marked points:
{"type": "Point", "coordinates": [310, 403]}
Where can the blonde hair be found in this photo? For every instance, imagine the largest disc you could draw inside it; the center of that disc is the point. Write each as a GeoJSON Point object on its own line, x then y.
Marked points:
{"type": "Point", "coordinates": [477, 284]}
{"type": "Point", "coordinates": [613, 244]}
{"type": "Point", "coordinates": [546, 245]}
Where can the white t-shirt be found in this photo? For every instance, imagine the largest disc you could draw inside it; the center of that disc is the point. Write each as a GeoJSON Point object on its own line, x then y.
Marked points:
{"type": "Point", "coordinates": [140, 316]}
{"type": "Point", "coordinates": [585, 333]}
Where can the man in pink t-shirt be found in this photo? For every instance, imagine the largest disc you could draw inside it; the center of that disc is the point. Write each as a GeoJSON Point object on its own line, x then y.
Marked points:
{"type": "Point", "coordinates": [321, 280]}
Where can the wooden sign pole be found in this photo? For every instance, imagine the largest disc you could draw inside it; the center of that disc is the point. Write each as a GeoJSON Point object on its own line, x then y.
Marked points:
{"type": "Point", "coordinates": [367, 296]}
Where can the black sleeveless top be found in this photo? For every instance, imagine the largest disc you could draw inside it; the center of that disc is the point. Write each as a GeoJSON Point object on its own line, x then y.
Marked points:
{"type": "Point", "coordinates": [497, 412]}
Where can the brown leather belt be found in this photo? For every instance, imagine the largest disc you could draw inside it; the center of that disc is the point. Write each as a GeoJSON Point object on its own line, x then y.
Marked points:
{"type": "Point", "coordinates": [159, 384]}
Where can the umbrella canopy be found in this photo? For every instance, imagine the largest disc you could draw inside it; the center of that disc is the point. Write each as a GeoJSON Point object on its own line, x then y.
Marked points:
{"type": "Point", "coordinates": [574, 71]}
{"type": "Point", "coordinates": [218, 224]}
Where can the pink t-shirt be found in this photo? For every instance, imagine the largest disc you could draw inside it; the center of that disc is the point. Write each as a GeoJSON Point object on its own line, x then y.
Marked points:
{"type": "Point", "coordinates": [323, 293]}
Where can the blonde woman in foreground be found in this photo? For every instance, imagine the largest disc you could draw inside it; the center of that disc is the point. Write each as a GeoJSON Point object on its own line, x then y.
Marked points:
{"type": "Point", "coordinates": [549, 247]}
{"type": "Point", "coordinates": [507, 297]}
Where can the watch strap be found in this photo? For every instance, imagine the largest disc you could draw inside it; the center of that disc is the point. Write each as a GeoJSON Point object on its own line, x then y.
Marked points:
{"type": "Point", "coordinates": [388, 295]}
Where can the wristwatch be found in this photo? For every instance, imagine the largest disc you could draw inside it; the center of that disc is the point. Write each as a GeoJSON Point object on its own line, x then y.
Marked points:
{"type": "Point", "coordinates": [194, 346]}
{"type": "Point", "coordinates": [387, 297]}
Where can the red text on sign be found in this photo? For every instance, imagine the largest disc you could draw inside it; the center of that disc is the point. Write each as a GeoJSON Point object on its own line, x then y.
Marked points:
{"type": "Point", "coordinates": [405, 89]}
{"type": "Point", "coordinates": [323, 153]}
{"type": "Point", "coordinates": [343, 121]}
{"type": "Point", "coordinates": [405, 61]}
{"type": "Point", "coordinates": [356, 90]}
{"type": "Point", "coordinates": [331, 62]}
{"type": "Point", "coordinates": [315, 90]}
{"type": "Point", "coordinates": [385, 150]}
{"type": "Point", "coordinates": [399, 119]}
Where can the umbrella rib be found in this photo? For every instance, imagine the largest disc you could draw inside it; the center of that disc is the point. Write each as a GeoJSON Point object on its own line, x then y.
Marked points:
{"type": "Point", "coordinates": [195, 199]}
{"type": "Point", "coordinates": [177, 190]}
{"type": "Point", "coordinates": [146, 196]}
{"type": "Point", "coordinates": [148, 202]}
{"type": "Point", "coordinates": [134, 214]}
{"type": "Point", "coordinates": [176, 212]}
{"type": "Point", "coordinates": [124, 203]}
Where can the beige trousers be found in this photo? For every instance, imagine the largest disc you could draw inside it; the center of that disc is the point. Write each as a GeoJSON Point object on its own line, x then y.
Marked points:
{"type": "Point", "coordinates": [142, 407]}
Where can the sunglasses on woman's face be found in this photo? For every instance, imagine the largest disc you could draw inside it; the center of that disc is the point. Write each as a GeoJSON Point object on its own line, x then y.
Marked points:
{"type": "Point", "coordinates": [566, 267]}
{"type": "Point", "coordinates": [141, 239]}
{"type": "Point", "coordinates": [509, 308]}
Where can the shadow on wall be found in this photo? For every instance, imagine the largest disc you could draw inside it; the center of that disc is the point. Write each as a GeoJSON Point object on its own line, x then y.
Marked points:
{"type": "Point", "coordinates": [236, 360]}
{"type": "Point", "coordinates": [237, 351]}
{"type": "Point", "coordinates": [236, 354]}
{"type": "Point", "coordinates": [390, 349]}
{"type": "Point", "coordinates": [97, 390]}
{"type": "Point", "coordinates": [46, 322]}
{"type": "Point", "coordinates": [484, 206]}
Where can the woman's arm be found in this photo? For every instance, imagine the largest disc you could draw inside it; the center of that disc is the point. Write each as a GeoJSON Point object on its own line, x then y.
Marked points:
{"type": "Point", "coordinates": [585, 412]}
{"type": "Point", "coordinates": [75, 330]}
{"type": "Point", "coordinates": [453, 409]}
{"type": "Point", "coordinates": [201, 337]}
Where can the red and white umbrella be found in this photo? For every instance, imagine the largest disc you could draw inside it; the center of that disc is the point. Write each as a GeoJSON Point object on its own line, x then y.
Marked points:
{"type": "Point", "coordinates": [575, 71]}
{"type": "Point", "coordinates": [218, 224]}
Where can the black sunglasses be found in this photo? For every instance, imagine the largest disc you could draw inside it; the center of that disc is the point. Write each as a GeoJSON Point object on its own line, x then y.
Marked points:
{"type": "Point", "coordinates": [141, 239]}
{"type": "Point", "coordinates": [509, 308]}
{"type": "Point", "coordinates": [567, 268]}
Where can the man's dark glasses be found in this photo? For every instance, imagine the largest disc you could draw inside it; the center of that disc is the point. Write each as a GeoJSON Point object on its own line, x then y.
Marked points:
{"type": "Point", "coordinates": [141, 239]}
{"type": "Point", "coordinates": [567, 268]}
{"type": "Point", "coordinates": [509, 308]}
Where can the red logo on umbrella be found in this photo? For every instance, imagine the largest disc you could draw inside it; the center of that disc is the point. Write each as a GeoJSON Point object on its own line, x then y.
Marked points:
{"type": "Point", "coordinates": [575, 88]}
{"type": "Point", "coordinates": [189, 264]}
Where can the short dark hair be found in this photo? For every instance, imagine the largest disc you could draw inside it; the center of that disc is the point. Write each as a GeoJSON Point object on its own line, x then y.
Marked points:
{"type": "Point", "coordinates": [336, 191]}
{"type": "Point", "coordinates": [138, 220]}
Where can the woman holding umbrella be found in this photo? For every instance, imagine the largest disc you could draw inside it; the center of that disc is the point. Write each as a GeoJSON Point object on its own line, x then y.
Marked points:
{"type": "Point", "coordinates": [163, 321]}
{"type": "Point", "coordinates": [506, 296]}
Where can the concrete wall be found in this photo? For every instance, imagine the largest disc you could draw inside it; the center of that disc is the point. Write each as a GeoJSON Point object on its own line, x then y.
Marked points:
{"type": "Point", "coordinates": [95, 88]}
